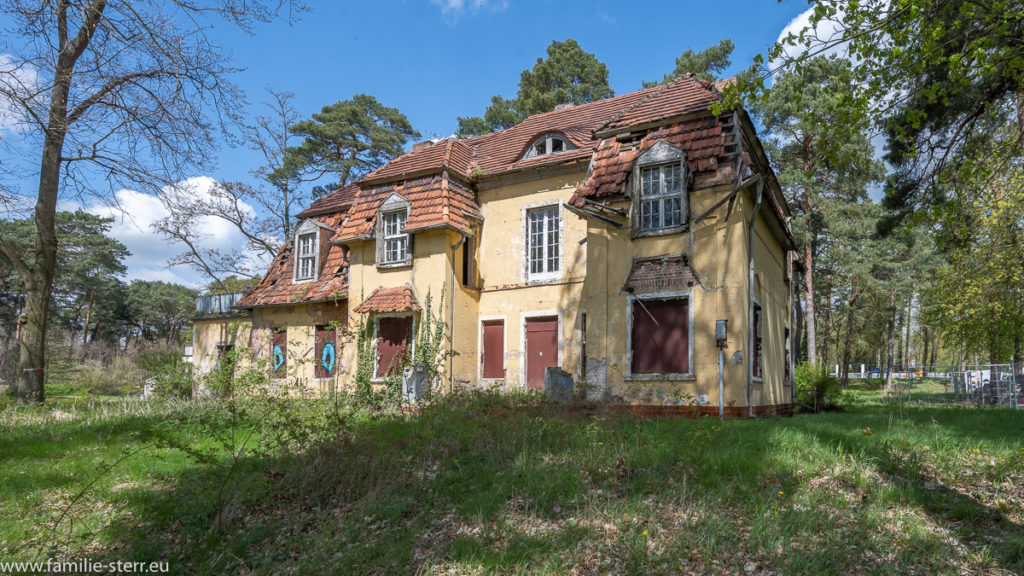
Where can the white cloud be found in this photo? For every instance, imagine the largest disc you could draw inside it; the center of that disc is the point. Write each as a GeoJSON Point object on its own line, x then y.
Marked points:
{"type": "Point", "coordinates": [827, 31]}
{"type": "Point", "coordinates": [456, 8]}
{"type": "Point", "coordinates": [14, 79]}
{"type": "Point", "coordinates": [134, 214]}
{"type": "Point", "coordinates": [604, 17]}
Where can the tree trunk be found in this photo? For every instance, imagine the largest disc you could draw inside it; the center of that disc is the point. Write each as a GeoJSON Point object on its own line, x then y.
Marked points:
{"type": "Point", "coordinates": [812, 347]}
{"type": "Point", "coordinates": [906, 343]}
{"type": "Point", "coordinates": [88, 317]}
{"type": "Point", "coordinates": [925, 337]}
{"type": "Point", "coordinates": [889, 340]}
{"type": "Point", "coordinates": [847, 345]}
{"type": "Point", "coordinates": [826, 328]}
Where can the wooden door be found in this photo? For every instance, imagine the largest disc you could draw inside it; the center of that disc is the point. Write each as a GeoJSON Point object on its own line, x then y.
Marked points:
{"type": "Point", "coordinates": [494, 349]}
{"type": "Point", "coordinates": [393, 335]}
{"type": "Point", "coordinates": [541, 349]}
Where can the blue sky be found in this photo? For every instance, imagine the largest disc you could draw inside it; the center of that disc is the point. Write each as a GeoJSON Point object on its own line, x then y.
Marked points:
{"type": "Point", "coordinates": [436, 60]}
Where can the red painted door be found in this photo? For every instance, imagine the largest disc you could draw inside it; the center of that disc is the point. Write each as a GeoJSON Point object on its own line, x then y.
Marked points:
{"type": "Point", "coordinates": [494, 349]}
{"type": "Point", "coordinates": [392, 338]}
{"type": "Point", "coordinates": [541, 349]}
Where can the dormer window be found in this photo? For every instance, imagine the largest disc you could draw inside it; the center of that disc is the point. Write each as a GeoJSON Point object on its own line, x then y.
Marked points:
{"type": "Point", "coordinates": [548, 144]}
{"type": "Point", "coordinates": [659, 191]}
{"type": "Point", "coordinates": [308, 249]}
{"type": "Point", "coordinates": [393, 242]}
{"type": "Point", "coordinates": [307, 257]}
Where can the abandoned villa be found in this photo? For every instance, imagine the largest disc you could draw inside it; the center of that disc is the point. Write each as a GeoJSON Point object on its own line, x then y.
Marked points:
{"type": "Point", "coordinates": [640, 243]}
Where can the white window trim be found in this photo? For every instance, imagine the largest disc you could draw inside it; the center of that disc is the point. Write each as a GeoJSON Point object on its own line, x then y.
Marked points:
{"type": "Point", "coordinates": [753, 345]}
{"type": "Point", "coordinates": [376, 331]}
{"type": "Point", "coordinates": [383, 238]}
{"type": "Point", "coordinates": [299, 233]}
{"type": "Point", "coordinates": [543, 277]}
{"type": "Point", "coordinates": [630, 300]}
{"type": "Point", "coordinates": [480, 347]}
{"type": "Point", "coordinates": [567, 145]}
{"type": "Point", "coordinates": [523, 317]}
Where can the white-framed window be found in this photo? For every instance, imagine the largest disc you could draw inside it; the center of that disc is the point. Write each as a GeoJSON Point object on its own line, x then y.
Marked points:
{"type": "Point", "coordinates": [661, 197]}
{"type": "Point", "coordinates": [543, 243]}
{"type": "Point", "coordinates": [395, 239]}
{"type": "Point", "coordinates": [548, 144]}
{"type": "Point", "coordinates": [307, 256]}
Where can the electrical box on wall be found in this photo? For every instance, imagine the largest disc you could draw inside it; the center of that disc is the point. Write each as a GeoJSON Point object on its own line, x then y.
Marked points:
{"type": "Point", "coordinates": [721, 332]}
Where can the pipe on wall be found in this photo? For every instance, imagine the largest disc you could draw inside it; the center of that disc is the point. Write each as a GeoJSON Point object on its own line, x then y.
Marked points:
{"type": "Point", "coordinates": [750, 299]}
{"type": "Point", "coordinates": [451, 320]}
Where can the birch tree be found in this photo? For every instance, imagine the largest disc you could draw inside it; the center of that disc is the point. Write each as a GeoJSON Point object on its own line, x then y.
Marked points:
{"type": "Point", "coordinates": [124, 93]}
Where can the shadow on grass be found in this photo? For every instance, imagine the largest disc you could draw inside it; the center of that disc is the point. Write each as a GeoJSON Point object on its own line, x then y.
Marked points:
{"type": "Point", "coordinates": [521, 487]}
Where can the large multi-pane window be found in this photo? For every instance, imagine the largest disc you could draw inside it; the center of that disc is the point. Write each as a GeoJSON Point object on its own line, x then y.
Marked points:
{"type": "Point", "coordinates": [661, 197]}
{"type": "Point", "coordinates": [307, 257]}
{"type": "Point", "coordinates": [396, 241]}
{"type": "Point", "coordinates": [544, 246]}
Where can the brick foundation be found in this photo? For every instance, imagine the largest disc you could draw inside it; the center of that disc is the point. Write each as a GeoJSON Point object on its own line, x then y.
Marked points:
{"type": "Point", "coordinates": [655, 411]}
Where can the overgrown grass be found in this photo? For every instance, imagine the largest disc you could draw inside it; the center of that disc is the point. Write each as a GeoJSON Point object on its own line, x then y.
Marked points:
{"type": "Point", "coordinates": [498, 484]}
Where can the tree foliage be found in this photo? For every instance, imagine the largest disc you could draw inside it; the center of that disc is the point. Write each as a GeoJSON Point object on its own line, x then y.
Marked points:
{"type": "Point", "coordinates": [127, 92]}
{"type": "Point", "coordinates": [347, 140]}
{"type": "Point", "coordinates": [568, 75]}
{"type": "Point", "coordinates": [706, 64]}
{"type": "Point", "coordinates": [938, 78]}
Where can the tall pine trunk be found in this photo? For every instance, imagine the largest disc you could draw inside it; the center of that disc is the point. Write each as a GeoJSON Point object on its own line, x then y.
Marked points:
{"type": "Point", "coordinates": [847, 345]}
{"type": "Point", "coordinates": [88, 318]}
{"type": "Point", "coordinates": [906, 343]}
{"type": "Point", "coordinates": [889, 340]}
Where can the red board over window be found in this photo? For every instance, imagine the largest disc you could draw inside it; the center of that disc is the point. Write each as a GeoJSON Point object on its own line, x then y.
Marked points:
{"type": "Point", "coordinates": [494, 349]}
{"type": "Point", "coordinates": [279, 354]}
{"type": "Point", "coordinates": [661, 337]}
{"type": "Point", "coordinates": [325, 352]}
{"type": "Point", "coordinates": [393, 337]}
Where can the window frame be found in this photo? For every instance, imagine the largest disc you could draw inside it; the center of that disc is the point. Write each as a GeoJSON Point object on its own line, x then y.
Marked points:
{"type": "Point", "coordinates": [660, 156]}
{"type": "Point", "coordinates": [529, 276]}
{"type": "Point", "coordinates": [376, 337]}
{"type": "Point", "coordinates": [662, 197]}
{"type": "Point", "coordinates": [630, 305]}
{"type": "Point", "coordinates": [297, 277]}
{"type": "Point", "coordinates": [399, 234]}
{"type": "Point", "coordinates": [548, 141]}
{"type": "Point", "coordinates": [504, 347]}
{"type": "Point", "coordinates": [757, 341]}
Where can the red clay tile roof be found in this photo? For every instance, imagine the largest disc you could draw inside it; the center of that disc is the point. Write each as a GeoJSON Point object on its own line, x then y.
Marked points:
{"type": "Point", "coordinates": [277, 287]}
{"type": "Point", "coordinates": [451, 154]}
{"type": "Point", "coordinates": [684, 95]}
{"type": "Point", "coordinates": [396, 299]}
{"type": "Point", "coordinates": [706, 142]}
{"type": "Point", "coordinates": [497, 151]}
{"type": "Point", "coordinates": [434, 201]}
{"type": "Point", "coordinates": [337, 201]}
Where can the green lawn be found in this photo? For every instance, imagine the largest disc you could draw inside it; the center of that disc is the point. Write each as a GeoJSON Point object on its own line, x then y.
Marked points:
{"type": "Point", "coordinates": [509, 485]}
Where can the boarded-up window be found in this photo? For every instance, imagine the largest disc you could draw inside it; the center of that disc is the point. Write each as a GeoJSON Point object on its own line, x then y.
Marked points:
{"type": "Point", "coordinates": [279, 353]}
{"type": "Point", "coordinates": [661, 336]}
{"type": "Point", "coordinates": [325, 352]}
{"type": "Point", "coordinates": [226, 359]}
{"type": "Point", "coordinates": [758, 355]}
{"type": "Point", "coordinates": [468, 257]}
{"type": "Point", "coordinates": [494, 349]}
{"type": "Point", "coordinates": [393, 337]}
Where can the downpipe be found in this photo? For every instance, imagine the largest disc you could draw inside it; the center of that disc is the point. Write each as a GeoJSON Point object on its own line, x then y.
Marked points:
{"type": "Point", "coordinates": [451, 320]}
{"type": "Point", "coordinates": [750, 300]}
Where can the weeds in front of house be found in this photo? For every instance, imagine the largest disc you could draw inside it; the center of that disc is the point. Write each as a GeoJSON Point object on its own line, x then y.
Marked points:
{"type": "Point", "coordinates": [484, 483]}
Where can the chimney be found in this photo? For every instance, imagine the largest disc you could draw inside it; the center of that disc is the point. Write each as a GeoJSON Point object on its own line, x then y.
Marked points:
{"type": "Point", "coordinates": [422, 145]}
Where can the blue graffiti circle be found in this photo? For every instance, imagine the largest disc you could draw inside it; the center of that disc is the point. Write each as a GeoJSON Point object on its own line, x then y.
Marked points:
{"type": "Point", "coordinates": [278, 357]}
{"type": "Point", "coordinates": [327, 357]}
